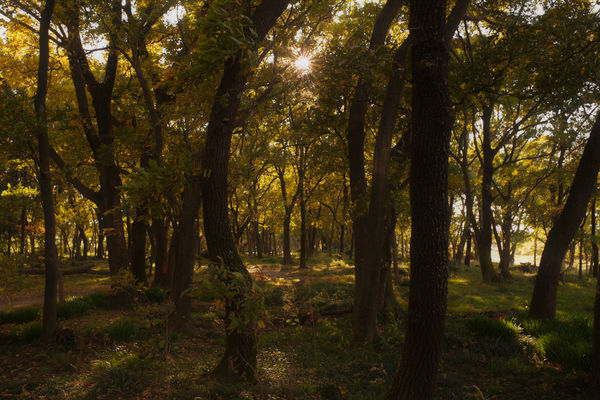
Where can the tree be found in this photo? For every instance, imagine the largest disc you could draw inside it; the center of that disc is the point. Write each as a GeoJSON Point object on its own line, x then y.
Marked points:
{"type": "Point", "coordinates": [543, 300]}
{"type": "Point", "coordinates": [239, 360]}
{"type": "Point", "coordinates": [429, 151]}
{"type": "Point", "coordinates": [50, 253]}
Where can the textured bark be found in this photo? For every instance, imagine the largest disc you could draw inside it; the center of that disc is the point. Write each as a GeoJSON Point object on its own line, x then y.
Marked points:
{"type": "Point", "coordinates": [593, 232]}
{"type": "Point", "coordinates": [138, 249]}
{"type": "Point", "coordinates": [161, 264]}
{"type": "Point", "coordinates": [594, 377]}
{"type": "Point", "coordinates": [366, 274]}
{"type": "Point", "coordinates": [182, 268]}
{"type": "Point", "coordinates": [239, 360]}
{"type": "Point", "coordinates": [543, 301]}
{"type": "Point", "coordinates": [100, 137]}
{"type": "Point", "coordinates": [50, 252]}
{"type": "Point", "coordinates": [483, 237]}
{"type": "Point", "coordinates": [430, 215]}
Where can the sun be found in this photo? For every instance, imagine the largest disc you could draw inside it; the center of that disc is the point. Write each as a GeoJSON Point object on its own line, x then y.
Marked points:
{"type": "Point", "coordinates": [303, 64]}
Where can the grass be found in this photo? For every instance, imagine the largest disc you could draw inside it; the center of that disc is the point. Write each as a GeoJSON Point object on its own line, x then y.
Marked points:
{"type": "Point", "coordinates": [492, 350]}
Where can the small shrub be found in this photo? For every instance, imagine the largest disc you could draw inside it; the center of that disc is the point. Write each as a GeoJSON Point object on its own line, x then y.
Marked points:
{"type": "Point", "coordinates": [73, 307]}
{"type": "Point", "coordinates": [571, 353]}
{"type": "Point", "coordinates": [31, 332]}
{"type": "Point", "coordinates": [20, 315]}
{"type": "Point", "coordinates": [274, 297]}
{"type": "Point", "coordinates": [122, 330]}
{"type": "Point", "coordinates": [501, 329]}
{"type": "Point", "coordinates": [156, 294]}
{"type": "Point", "coordinates": [120, 373]}
{"type": "Point", "coordinates": [99, 300]}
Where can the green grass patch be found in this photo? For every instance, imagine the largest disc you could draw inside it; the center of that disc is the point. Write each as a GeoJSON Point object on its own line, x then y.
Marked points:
{"type": "Point", "coordinates": [120, 374]}
{"type": "Point", "coordinates": [32, 331]}
{"type": "Point", "coordinates": [495, 328]}
{"type": "Point", "coordinates": [20, 315]}
{"type": "Point", "coordinates": [72, 307]}
{"type": "Point", "coordinates": [122, 330]}
{"type": "Point", "coordinates": [565, 341]}
{"type": "Point", "coordinates": [156, 294]}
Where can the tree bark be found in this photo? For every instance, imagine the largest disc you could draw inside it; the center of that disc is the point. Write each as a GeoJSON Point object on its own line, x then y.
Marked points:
{"type": "Point", "coordinates": [593, 232]}
{"type": "Point", "coordinates": [50, 251]}
{"type": "Point", "coordinates": [594, 377]}
{"type": "Point", "coordinates": [366, 278]}
{"type": "Point", "coordinates": [101, 138]}
{"type": "Point", "coordinates": [543, 301]}
{"type": "Point", "coordinates": [430, 215]}
{"type": "Point", "coordinates": [239, 360]}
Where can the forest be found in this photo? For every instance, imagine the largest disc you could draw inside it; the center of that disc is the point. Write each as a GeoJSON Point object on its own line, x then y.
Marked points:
{"type": "Point", "coordinates": [299, 199]}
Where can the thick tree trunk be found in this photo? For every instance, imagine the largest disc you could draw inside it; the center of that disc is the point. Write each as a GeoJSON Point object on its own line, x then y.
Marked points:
{"type": "Point", "coordinates": [430, 215]}
{"type": "Point", "coordinates": [239, 360]}
{"type": "Point", "coordinates": [50, 252]}
{"type": "Point", "coordinates": [594, 377]}
{"type": "Point", "coordinates": [138, 249]}
{"type": "Point", "coordinates": [543, 301]}
{"type": "Point", "coordinates": [182, 269]}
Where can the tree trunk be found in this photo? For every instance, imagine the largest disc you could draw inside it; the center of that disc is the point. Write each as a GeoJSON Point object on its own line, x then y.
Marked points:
{"type": "Point", "coordinates": [138, 248]}
{"type": "Point", "coordinates": [101, 140]}
{"type": "Point", "coordinates": [484, 238]}
{"type": "Point", "coordinates": [239, 360]}
{"type": "Point", "coordinates": [543, 301]}
{"type": "Point", "coordinates": [594, 377]}
{"type": "Point", "coordinates": [86, 244]}
{"type": "Point", "coordinates": [366, 275]}
{"type": "Point", "coordinates": [23, 225]}
{"type": "Point", "coordinates": [182, 269]}
{"type": "Point", "coordinates": [287, 254]}
{"type": "Point", "coordinates": [593, 232]}
{"type": "Point", "coordinates": [430, 215]}
{"type": "Point", "coordinates": [469, 249]}
{"type": "Point", "coordinates": [50, 252]}
{"type": "Point", "coordinates": [161, 255]}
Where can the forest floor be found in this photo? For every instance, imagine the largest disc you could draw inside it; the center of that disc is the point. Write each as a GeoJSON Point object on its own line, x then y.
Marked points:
{"type": "Point", "coordinates": [492, 351]}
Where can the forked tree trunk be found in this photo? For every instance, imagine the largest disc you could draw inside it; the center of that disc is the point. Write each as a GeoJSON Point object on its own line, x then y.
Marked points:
{"type": "Point", "coordinates": [430, 214]}
{"type": "Point", "coordinates": [543, 301]}
{"type": "Point", "coordinates": [366, 274]}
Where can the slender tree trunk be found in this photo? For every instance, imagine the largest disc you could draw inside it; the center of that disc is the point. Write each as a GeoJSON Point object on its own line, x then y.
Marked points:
{"type": "Point", "coordinates": [23, 225]}
{"type": "Point", "coordinates": [302, 201]}
{"type": "Point", "coordinates": [593, 233]}
{"type": "Point", "coordinates": [287, 254]}
{"type": "Point", "coordinates": [484, 238]}
{"type": "Point", "coordinates": [543, 301]}
{"type": "Point", "coordinates": [86, 244]}
{"type": "Point", "coordinates": [50, 252]}
{"type": "Point", "coordinates": [430, 215]}
{"type": "Point", "coordinates": [469, 249]}
{"type": "Point", "coordinates": [160, 231]}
